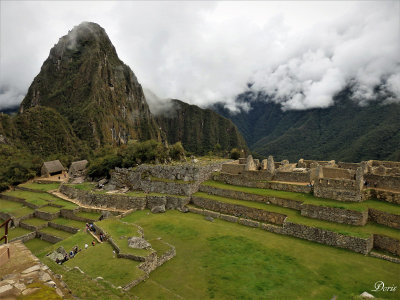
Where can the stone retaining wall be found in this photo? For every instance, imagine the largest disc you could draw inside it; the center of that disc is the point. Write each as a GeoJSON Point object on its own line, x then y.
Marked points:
{"type": "Point", "coordinates": [104, 200]}
{"type": "Point", "coordinates": [384, 218]}
{"type": "Point", "coordinates": [239, 210]}
{"type": "Point", "coordinates": [337, 215]}
{"type": "Point", "coordinates": [386, 243]}
{"type": "Point", "coordinates": [251, 197]}
{"type": "Point", "coordinates": [387, 196]}
{"type": "Point", "coordinates": [46, 215]}
{"type": "Point", "coordinates": [330, 238]}
{"type": "Point", "coordinates": [64, 227]}
{"type": "Point", "coordinates": [69, 214]}
{"type": "Point", "coordinates": [233, 168]}
{"type": "Point", "coordinates": [48, 237]}
{"type": "Point", "coordinates": [322, 236]}
{"type": "Point", "coordinates": [24, 238]}
{"type": "Point", "coordinates": [32, 227]}
{"type": "Point", "coordinates": [123, 202]}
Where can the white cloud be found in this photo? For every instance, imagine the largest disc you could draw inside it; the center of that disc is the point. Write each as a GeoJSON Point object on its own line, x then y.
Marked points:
{"type": "Point", "coordinates": [204, 52]}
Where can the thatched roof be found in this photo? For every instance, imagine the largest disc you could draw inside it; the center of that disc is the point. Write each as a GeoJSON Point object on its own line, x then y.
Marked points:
{"type": "Point", "coordinates": [78, 165]}
{"type": "Point", "coordinates": [53, 166]}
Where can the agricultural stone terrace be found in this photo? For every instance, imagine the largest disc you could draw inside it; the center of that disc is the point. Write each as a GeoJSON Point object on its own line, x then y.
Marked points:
{"type": "Point", "coordinates": [268, 197]}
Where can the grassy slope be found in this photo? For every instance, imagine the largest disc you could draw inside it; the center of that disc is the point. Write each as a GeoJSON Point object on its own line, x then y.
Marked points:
{"type": "Point", "coordinates": [221, 260]}
{"type": "Point", "coordinates": [41, 186]}
{"type": "Point", "coordinates": [14, 208]}
{"type": "Point", "coordinates": [59, 233]}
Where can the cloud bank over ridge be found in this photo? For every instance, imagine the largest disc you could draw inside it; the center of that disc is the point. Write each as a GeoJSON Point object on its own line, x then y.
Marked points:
{"type": "Point", "coordinates": [300, 53]}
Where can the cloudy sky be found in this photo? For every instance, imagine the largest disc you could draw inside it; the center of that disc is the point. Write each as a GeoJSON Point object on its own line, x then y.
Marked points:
{"type": "Point", "coordinates": [301, 53]}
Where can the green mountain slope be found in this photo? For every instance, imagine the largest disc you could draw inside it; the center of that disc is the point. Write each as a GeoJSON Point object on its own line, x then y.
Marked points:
{"type": "Point", "coordinates": [200, 130]}
{"type": "Point", "coordinates": [41, 131]}
{"type": "Point", "coordinates": [344, 131]}
{"type": "Point", "coordinates": [86, 82]}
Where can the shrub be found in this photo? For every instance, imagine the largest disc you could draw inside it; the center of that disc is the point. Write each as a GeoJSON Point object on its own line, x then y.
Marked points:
{"type": "Point", "coordinates": [235, 153]}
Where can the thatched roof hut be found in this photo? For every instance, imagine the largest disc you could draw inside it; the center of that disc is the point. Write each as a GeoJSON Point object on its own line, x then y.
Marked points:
{"type": "Point", "coordinates": [51, 168]}
{"type": "Point", "coordinates": [77, 167]}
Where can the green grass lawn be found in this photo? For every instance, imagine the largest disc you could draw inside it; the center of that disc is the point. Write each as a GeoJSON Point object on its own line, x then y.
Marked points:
{"type": "Point", "coordinates": [14, 208]}
{"type": "Point", "coordinates": [120, 234]}
{"type": "Point", "coordinates": [58, 233]}
{"type": "Point", "coordinates": [41, 186]}
{"type": "Point", "coordinates": [49, 209]}
{"type": "Point", "coordinates": [70, 223]}
{"type": "Point", "coordinates": [35, 221]}
{"type": "Point", "coordinates": [37, 245]}
{"type": "Point", "coordinates": [222, 260]}
{"type": "Point", "coordinates": [310, 199]}
{"type": "Point", "coordinates": [100, 261]}
{"type": "Point", "coordinates": [38, 199]}
{"type": "Point", "coordinates": [89, 215]}
{"type": "Point", "coordinates": [295, 217]}
{"type": "Point", "coordinates": [14, 233]}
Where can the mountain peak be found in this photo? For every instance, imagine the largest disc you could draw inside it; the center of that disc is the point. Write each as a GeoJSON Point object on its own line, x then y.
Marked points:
{"type": "Point", "coordinates": [86, 82]}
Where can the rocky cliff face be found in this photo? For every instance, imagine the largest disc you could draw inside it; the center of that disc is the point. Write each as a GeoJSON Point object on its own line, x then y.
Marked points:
{"type": "Point", "coordinates": [199, 130]}
{"type": "Point", "coordinates": [85, 81]}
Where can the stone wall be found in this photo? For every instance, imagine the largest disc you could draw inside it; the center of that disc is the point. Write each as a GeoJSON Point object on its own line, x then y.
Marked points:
{"type": "Point", "coordinates": [64, 227]}
{"type": "Point", "coordinates": [16, 221]}
{"type": "Point", "coordinates": [386, 164]}
{"type": "Point", "coordinates": [251, 197]}
{"type": "Point", "coordinates": [175, 188]}
{"type": "Point", "coordinates": [188, 172]}
{"type": "Point", "coordinates": [242, 180]}
{"type": "Point", "coordinates": [330, 238]}
{"type": "Point", "coordinates": [116, 201]}
{"type": "Point", "coordinates": [32, 227]}
{"type": "Point", "coordinates": [239, 210]}
{"type": "Point", "coordinates": [349, 166]}
{"type": "Point", "coordinates": [338, 189]}
{"type": "Point", "coordinates": [24, 238]}
{"type": "Point", "coordinates": [383, 182]}
{"type": "Point", "coordinates": [48, 237]}
{"type": "Point", "coordinates": [233, 168]}
{"type": "Point", "coordinates": [329, 172]}
{"type": "Point", "coordinates": [46, 215]}
{"type": "Point", "coordinates": [385, 243]}
{"type": "Point", "coordinates": [69, 214]}
{"type": "Point", "coordinates": [388, 196]}
{"type": "Point", "coordinates": [384, 218]}
{"type": "Point", "coordinates": [333, 214]}
{"type": "Point", "coordinates": [123, 202]}
{"type": "Point", "coordinates": [292, 176]}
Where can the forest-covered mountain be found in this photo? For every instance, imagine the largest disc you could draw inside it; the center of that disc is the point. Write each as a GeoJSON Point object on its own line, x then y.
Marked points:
{"type": "Point", "coordinates": [85, 81]}
{"type": "Point", "coordinates": [199, 130]}
{"type": "Point", "coordinates": [345, 131]}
